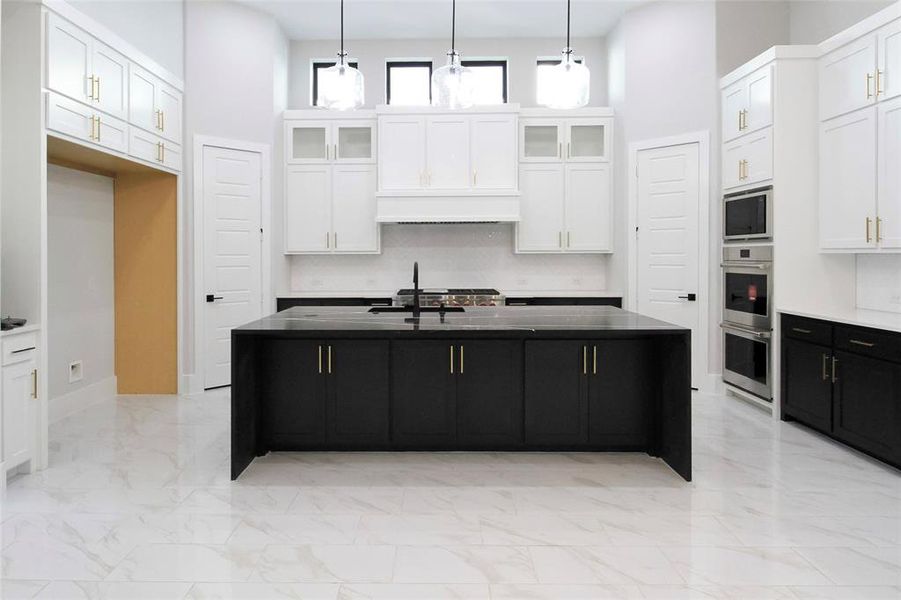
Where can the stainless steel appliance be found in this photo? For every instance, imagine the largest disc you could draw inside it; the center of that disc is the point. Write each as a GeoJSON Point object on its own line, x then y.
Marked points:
{"type": "Point", "coordinates": [748, 215]}
{"type": "Point", "coordinates": [451, 297]}
{"type": "Point", "coordinates": [748, 286]}
{"type": "Point", "coordinates": [748, 318]}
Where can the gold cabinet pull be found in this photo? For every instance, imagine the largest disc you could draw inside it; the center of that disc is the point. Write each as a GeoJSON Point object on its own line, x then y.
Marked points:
{"type": "Point", "coordinates": [98, 129]}
{"type": "Point", "coordinates": [560, 150]}
{"type": "Point", "coordinates": [834, 376]}
{"type": "Point", "coordinates": [163, 152]}
{"type": "Point", "coordinates": [560, 239]}
{"type": "Point", "coordinates": [594, 361]}
{"type": "Point", "coordinates": [328, 240]}
{"type": "Point", "coordinates": [879, 88]}
{"type": "Point", "coordinates": [584, 360]}
{"type": "Point", "coordinates": [740, 163]}
{"type": "Point", "coordinates": [568, 239]}
{"type": "Point", "coordinates": [740, 127]}
{"type": "Point", "coordinates": [320, 359]}
{"type": "Point", "coordinates": [91, 91]}
{"type": "Point", "coordinates": [862, 343]}
{"type": "Point", "coordinates": [878, 229]}
{"type": "Point", "coordinates": [868, 230]}
{"type": "Point", "coordinates": [97, 96]}
{"type": "Point", "coordinates": [825, 360]}
{"type": "Point", "coordinates": [475, 177]}
{"type": "Point", "coordinates": [869, 90]}
{"type": "Point", "coordinates": [329, 360]}
{"type": "Point", "coordinates": [34, 384]}
{"type": "Point", "coordinates": [162, 121]}
{"type": "Point", "coordinates": [335, 236]}
{"type": "Point", "coordinates": [799, 330]}
{"type": "Point", "coordinates": [461, 359]}
{"type": "Point", "coordinates": [452, 359]}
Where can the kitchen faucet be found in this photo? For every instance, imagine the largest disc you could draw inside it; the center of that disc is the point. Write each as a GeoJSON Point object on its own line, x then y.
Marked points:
{"type": "Point", "coordinates": [416, 290]}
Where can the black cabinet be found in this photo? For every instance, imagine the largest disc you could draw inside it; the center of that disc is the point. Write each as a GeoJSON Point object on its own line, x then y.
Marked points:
{"type": "Point", "coordinates": [850, 389]}
{"type": "Point", "coordinates": [423, 394]}
{"type": "Point", "coordinates": [867, 401]}
{"type": "Point", "coordinates": [457, 395]}
{"type": "Point", "coordinates": [293, 395]}
{"type": "Point", "coordinates": [556, 393]}
{"type": "Point", "coordinates": [807, 382]}
{"type": "Point", "coordinates": [325, 394]}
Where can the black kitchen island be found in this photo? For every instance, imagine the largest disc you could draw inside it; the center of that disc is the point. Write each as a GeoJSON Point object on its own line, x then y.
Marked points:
{"type": "Point", "coordinates": [587, 378]}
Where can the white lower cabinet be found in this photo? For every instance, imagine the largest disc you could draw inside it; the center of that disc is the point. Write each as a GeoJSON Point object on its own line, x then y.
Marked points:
{"type": "Point", "coordinates": [564, 208]}
{"type": "Point", "coordinates": [748, 160]}
{"type": "Point", "coordinates": [330, 209]}
{"type": "Point", "coordinates": [20, 393]}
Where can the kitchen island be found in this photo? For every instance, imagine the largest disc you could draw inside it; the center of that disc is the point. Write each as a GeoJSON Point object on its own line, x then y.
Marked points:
{"type": "Point", "coordinates": [586, 378]}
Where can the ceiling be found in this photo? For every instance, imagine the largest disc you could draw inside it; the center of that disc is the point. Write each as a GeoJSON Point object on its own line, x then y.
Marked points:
{"type": "Point", "coordinates": [423, 19]}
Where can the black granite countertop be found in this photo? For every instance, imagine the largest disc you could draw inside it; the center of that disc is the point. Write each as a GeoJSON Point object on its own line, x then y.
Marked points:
{"type": "Point", "coordinates": [518, 321]}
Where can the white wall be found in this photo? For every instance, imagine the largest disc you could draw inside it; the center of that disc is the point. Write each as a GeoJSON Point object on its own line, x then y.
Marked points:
{"type": "Point", "coordinates": [745, 28]}
{"type": "Point", "coordinates": [449, 256]}
{"type": "Point", "coordinates": [813, 21]}
{"type": "Point", "coordinates": [372, 54]}
{"type": "Point", "coordinates": [663, 82]}
{"type": "Point", "coordinates": [879, 282]}
{"type": "Point", "coordinates": [235, 86]}
{"type": "Point", "coordinates": [81, 305]}
{"type": "Point", "coordinates": [155, 27]}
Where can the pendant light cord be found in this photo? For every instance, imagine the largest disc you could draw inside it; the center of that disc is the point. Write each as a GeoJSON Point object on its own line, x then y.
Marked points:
{"type": "Point", "coordinates": [453, 26]}
{"type": "Point", "coordinates": [342, 32]}
{"type": "Point", "coordinates": [568, 7]}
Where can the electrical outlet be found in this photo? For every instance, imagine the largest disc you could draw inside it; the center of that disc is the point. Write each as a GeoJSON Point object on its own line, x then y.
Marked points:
{"type": "Point", "coordinates": [76, 371]}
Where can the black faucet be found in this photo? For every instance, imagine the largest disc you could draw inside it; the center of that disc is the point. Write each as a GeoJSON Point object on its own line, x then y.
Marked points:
{"type": "Point", "coordinates": [416, 290]}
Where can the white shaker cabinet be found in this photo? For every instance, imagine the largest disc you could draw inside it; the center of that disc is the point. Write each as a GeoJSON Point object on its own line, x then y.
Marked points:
{"type": "Point", "coordinates": [588, 208]}
{"type": "Point", "coordinates": [110, 71]}
{"type": "Point", "coordinates": [447, 152]}
{"type": "Point", "coordinates": [748, 160]}
{"type": "Point", "coordinates": [848, 181]}
{"type": "Point", "coordinates": [402, 152]}
{"type": "Point", "coordinates": [82, 122]}
{"type": "Point", "coordinates": [587, 140]}
{"type": "Point", "coordinates": [152, 148]}
{"type": "Point", "coordinates": [353, 209]}
{"type": "Point", "coordinates": [20, 394]}
{"type": "Point", "coordinates": [747, 105]}
{"type": "Point", "coordinates": [493, 152]}
{"type": "Point", "coordinates": [888, 45]}
{"type": "Point", "coordinates": [154, 105]}
{"type": "Point", "coordinates": [541, 225]}
{"type": "Point", "coordinates": [848, 78]}
{"type": "Point", "coordinates": [308, 200]}
{"type": "Point", "coordinates": [889, 174]}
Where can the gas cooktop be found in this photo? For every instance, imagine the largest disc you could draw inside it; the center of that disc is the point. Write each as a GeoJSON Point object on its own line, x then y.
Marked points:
{"type": "Point", "coordinates": [451, 297]}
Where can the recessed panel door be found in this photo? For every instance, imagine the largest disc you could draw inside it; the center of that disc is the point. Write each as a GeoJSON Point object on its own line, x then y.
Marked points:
{"type": "Point", "coordinates": [448, 153]}
{"type": "Point", "coordinates": [489, 393]}
{"type": "Point", "coordinates": [402, 163]}
{"type": "Point", "coordinates": [111, 80]}
{"type": "Point", "coordinates": [19, 392]}
{"type": "Point", "coordinates": [354, 228]}
{"type": "Point", "coordinates": [423, 394]}
{"type": "Point", "coordinates": [622, 376]}
{"type": "Point", "coordinates": [493, 143]}
{"type": "Point", "coordinates": [358, 400]}
{"type": "Point", "coordinates": [848, 78]}
{"type": "Point", "coordinates": [889, 156]}
{"type": "Point", "coordinates": [168, 103]}
{"type": "Point", "coordinates": [589, 209]}
{"type": "Point", "coordinates": [556, 393]}
{"type": "Point", "coordinates": [807, 382]}
{"type": "Point", "coordinates": [142, 99]}
{"type": "Point", "coordinates": [308, 198]}
{"type": "Point", "coordinates": [889, 60]}
{"type": "Point", "coordinates": [292, 395]}
{"type": "Point", "coordinates": [68, 59]}
{"type": "Point", "coordinates": [232, 241]}
{"type": "Point", "coordinates": [540, 227]}
{"type": "Point", "coordinates": [734, 103]}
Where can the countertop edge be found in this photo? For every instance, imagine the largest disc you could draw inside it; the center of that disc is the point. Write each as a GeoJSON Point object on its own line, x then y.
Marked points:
{"type": "Point", "coordinates": [872, 319]}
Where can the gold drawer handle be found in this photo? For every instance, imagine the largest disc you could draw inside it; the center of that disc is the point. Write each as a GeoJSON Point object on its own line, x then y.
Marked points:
{"type": "Point", "coordinates": [862, 343]}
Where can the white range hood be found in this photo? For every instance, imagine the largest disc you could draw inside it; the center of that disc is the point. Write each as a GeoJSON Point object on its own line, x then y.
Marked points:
{"type": "Point", "coordinates": [432, 207]}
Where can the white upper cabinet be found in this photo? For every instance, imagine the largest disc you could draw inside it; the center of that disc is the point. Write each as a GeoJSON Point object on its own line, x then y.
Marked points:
{"type": "Point", "coordinates": [447, 152]}
{"type": "Point", "coordinates": [747, 105]}
{"type": "Point", "coordinates": [154, 149]}
{"type": "Point", "coordinates": [493, 152]}
{"type": "Point", "coordinates": [110, 72]}
{"type": "Point", "coordinates": [848, 78]}
{"type": "Point", "coordinates": [309, 142]}
{"type": "Point", "coordinates": [308, 201]}
{"type": "Point", "coordinates": [68, 59]}
{"type": "Point", "coordinates": [889, 60]}
{"type": "Point", "coordinates": [541, 140]}
{"type": "Point", "coordinates": [354, 228]}
{"type": "Point", "coordinates": [588, 208]}
{"type": "Point", "coordinates": [748, 160]}
{"type": "Point", "coordinates": [402, 152]}
{"type": "Point", "coordinates": [155, 105]}
{"type": "Point", "coordinates": [77, 120]}
{"type": "Point", "coordinates": [587, 140]}
{"type": "Point", "coordinates": [540, 228]}
{"type": "Point", "coordinates": [848, 181]}
{"type": "Point", "coordinates": [889, 174]}
{"type": "Point", "coordinates": [354, 142]}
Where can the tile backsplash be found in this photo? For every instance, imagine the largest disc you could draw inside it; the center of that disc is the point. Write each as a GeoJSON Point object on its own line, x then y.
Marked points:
{"type": "Point", "coordinates": [471, 255]}
{"type": "Point", "coordinates": [879, 282]}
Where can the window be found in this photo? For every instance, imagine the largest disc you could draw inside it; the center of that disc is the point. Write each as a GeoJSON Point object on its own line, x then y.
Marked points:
{"type": "Point", "coordinates": [544, 65]}
{"type": "Point", "coordinates": [319, 66]}
{"type": "Point", "coordinates": [409, 83]}
{"type": "Point", "coordinates": [490, 80]}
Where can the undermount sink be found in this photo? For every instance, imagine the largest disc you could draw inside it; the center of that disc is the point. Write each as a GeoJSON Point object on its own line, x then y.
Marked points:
{"type": "Point", "coordinates": [409, 309]}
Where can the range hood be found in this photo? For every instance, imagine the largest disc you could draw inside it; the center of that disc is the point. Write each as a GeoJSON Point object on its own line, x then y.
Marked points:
{"type": "Point", "coordinates": [419, 206]}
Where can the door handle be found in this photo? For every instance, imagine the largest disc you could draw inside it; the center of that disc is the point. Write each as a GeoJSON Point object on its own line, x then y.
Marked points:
{"type": "Point", "coordinates": [21, 350]}
{"type": "Point", "coordinates": [869, 80]}
{"type": "Point", "coordinates": [34, 384]}
{"type": "Point", "coordinates": [329, 360]}
{"type": "Point", "coordinates": [452, 359]}
{"type": "Point", "coordinates": [825, 359]}
{"type": "Point", "coordinates": [834, 362]}
{"type": "Point", "coordinates": [689, 297]}
{"type": "Point", "coordinates": [594, 361]}
{"type": "Point", "coordinates": [461, 359]}
{"type": "Point", "coordinates": [320, 360]}
{"type": "Point", "coordinates": [212, 298]}
{"type": "Point", "coordinates": [584, 360]}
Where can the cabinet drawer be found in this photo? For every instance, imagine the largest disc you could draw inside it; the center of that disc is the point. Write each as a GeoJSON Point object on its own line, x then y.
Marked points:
{"type": "Point", "coordinates": [154, 149]}
{"type": "Point", "coordinates": [19, 348]}
{"type": "Point", "coordinates": [808, 330]}
{"type": "Point", "coordinates": [869, 342]}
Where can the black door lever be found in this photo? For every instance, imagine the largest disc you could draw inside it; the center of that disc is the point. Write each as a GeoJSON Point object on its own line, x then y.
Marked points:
{"type": "Point", "coordinates": [212, 298]}
{"type": "Point", "coordinates": [689, 297]}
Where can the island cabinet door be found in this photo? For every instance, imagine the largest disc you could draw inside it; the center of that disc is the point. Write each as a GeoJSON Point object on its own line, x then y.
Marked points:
{"type": "Point", "coordinates": [556, 393]}
{"type": "Point", "coordinates": [807, 383]}
{"type": "Point", "coordinates": [293, 407]}
{"type": "Point", "coordinates": [358, 401]}
{"type": "Point", "coordinates": [621, 393]}
{"type": "Point", "coordinates": [489, 394]}
{"type": "Point", "coordinates": [423, 394]}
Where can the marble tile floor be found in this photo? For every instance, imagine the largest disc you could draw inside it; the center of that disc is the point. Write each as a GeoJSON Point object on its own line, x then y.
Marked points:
{"type": "Point", "coordinates": [137, 503]}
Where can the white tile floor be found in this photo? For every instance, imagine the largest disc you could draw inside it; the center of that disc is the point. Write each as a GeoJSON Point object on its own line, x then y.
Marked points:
{"type": "Point", "coordinates": [137, 503]}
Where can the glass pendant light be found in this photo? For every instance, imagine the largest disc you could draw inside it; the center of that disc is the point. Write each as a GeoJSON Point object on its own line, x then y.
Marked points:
{"type": "Point", "coordinates": [452, 84]}
{"type": "Point", "coordinates": [341, 84]}
{"type": "Point", "coordinates": [567, 84]}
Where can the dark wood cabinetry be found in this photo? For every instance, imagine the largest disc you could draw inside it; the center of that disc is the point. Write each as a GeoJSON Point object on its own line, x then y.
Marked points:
{"type": "Point", "coordinates": [489, 393]}
{"type": "Point", "coordinates": [357, 389]}
{"type": "Point", "coordinates": [423, 394]}
{"type": "Point", "coordinates": [847, 384]}
{"type": "Point", "coordinates": [556, 398]}
{"type": "Point", "coordinates": [621, 393]}
{"type": "Point", "coordinates": [293, 394]}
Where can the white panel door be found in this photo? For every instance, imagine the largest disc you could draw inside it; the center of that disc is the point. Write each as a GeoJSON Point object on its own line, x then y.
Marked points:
{"type": "Point", "coordinates": [232, 259]}
{"type": "Point", "coordinates": [111, 87]}
{"type": "Point", "coordinates": [18, 413]}
{"type": "Point", "coordinates": [667, 239]}
{"type": "Point", "coordinates": [890, 173]}
{"type": "Point", "coordinates": [847, 78]}
{"type": "Point", "coordinates": [354, 228]}
{"type": "Point", "coordinates": [540, 228]}
{"type": "Point", "coordinates": [447, 152]}
{"type": "Point", "coordinates": [588, 208]}
{"type": "Point", "coordinates": [308, 198]}
{"type": "Point", "coordinates": [889, 48]}
{"type": "Point", "coordinates": [760, 100]}
{"type": "Point", "coordinates": [734, 103]}
{"type": "Point", "coordinates": [493, 152]}
{"type": "Point", "coordinates": [168, 102]}
{"type": "Point", "coordinates": [69, 117]}
{"type": "Point", "coordinates": [401, 143]}
{"type": "Point", "coordinates": [848, 181]}
{"type": "Point", "coordinates": [141, 99]}
{"type": "Point", "coordinates": [68, 59]}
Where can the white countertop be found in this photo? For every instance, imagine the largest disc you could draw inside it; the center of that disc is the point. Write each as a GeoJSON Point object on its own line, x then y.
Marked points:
{"type": "Point", "coordinates": [876, 319]}
{"type": "Point", "coordinates": [19, 330]}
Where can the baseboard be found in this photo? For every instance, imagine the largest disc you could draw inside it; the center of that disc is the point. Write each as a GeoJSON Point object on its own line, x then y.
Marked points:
{"type": "Point", "coordinates": [712, 384]}
{"type": "Point", "coordinates": [192, 383]}
{"type": "Point", "coordinates": [64, 406]}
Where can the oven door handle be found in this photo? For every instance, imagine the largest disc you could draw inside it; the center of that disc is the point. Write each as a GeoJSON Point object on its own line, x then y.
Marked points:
{"type": "Point", "coordinates": [763, 266]}
{"type": "Point", "coordinates": [762, 335]}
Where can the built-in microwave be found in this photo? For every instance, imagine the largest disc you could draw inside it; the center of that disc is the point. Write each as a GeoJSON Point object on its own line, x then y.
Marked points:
{"type": "Point", "coordinates": [748, 215]}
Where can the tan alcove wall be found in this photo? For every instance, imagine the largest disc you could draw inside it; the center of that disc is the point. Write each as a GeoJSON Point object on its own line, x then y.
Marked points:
{"type": "Point", "coordinates": [145, 225]}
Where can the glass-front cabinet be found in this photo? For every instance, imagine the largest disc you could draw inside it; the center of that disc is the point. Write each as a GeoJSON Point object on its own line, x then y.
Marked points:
{"type": "Point", "coordinates": [311, 142]}
{"type": "Point", "coordinates": [587, 140]}
{"type": "Point", "coordinates": [541, 141]}
{"type": "Point", "coordinates": [565, 140]}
